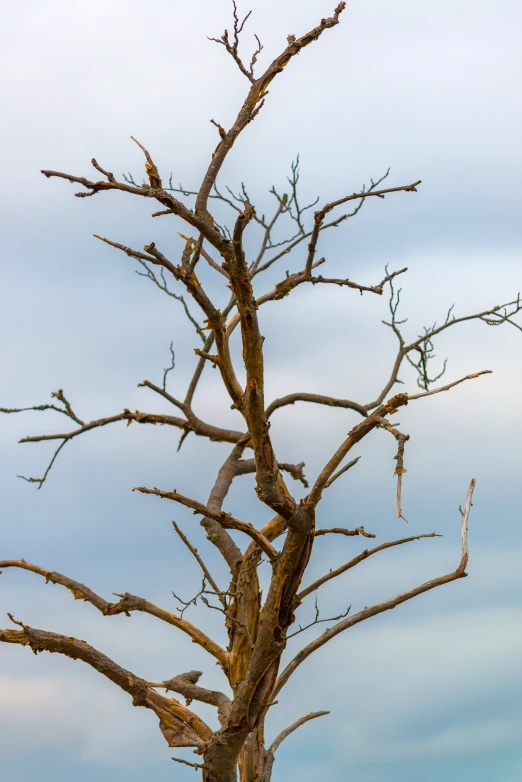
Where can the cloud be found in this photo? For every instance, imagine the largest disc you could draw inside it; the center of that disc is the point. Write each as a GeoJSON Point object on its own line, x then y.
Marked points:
{"type": "Point", "coordinates": [76, 719]}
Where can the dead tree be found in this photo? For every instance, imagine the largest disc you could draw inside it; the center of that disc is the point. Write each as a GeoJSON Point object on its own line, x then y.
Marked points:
{"type": "Point", "coordinates": [257, 629]}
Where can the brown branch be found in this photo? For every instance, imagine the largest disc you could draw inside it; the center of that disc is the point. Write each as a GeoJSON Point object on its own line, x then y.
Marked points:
{"type": "Point", "coordinates": [321, 214]}
{"type": "Point", "coordinates": [270, 488]}
{"type": "Point", "coordinates": [423, 345]}
{"type": "Point", "coordinates": [232, 48]}
{"type": "Point", "coordinates": [270, 755]}
{"type": "Point", "coordinates": [215, 319]}
{"type": "Point", "coordinates": [317, 621]}
{"type": "Point", "coordinates": [174, 206]}
{"type": "Point", "coordinates": [211, 262]}
{"type": "Point", "coordinates": [492, 317]}
{"type": "Point", "coordinates": [359, 558]}
{"type": "Point", "coordinates": [295, 241]}
{"type": "Point", "coordinates": [215, 532]}
{"type": "Point", "coordinates": [185, 684]}
{"type": "Point", "coordinates": [341, 471]}
{"type": "Point", "coordinates": [451, 385]}
{"type": "Point", "coordinates": [225, 520]}
{"type": "Point", "coordinates": [162, 392]}
{"type": "Point", "coordinates": [127, 604]}
{"type": "Point", "coordinates": [356, 286]}
{"type": "Point", "coordinates": [246, 466]}
{"type": "Point", "coordinates": [252, 104]}
{"type": "Point", "coordinates": [297, 724]}
{"type": "Point", "coordinates": [163, 286]}
{"type": "Point", "coordinates": [152, 172]}
{"type": "Point", "coordinates": [389, 385]}
{"type": "Point", "coordinates": [189, 729]}
{"type": "Point", "coordinates": [292, 281]}
{"type": "Point", "coordinates": [108, 174]}
{"type": "Point", "coordinates": [386, 605]}
{"type": "Point", "coordinates": [192, 424]}
{"type": "Point", "coordinates": [354, 436]}
{"type": "Point", "coordinates": [371, 422]}
{"type": "Point", "coordinates": [402, 439]}
{"type": "Point", "coordinates": [350, 533]}
{"type": "Point", "coordinates": [318, 399]}
{"type": "Point", "coordinates": [195, 766]}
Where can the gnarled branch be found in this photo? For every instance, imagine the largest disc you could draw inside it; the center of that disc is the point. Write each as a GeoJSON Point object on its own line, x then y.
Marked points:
{"type": "Point", "coordinates": [184, 727]}
{"type": "Point", "coordinates": [127, 604]}
{"type": "Point", "coordinates": [186, 684]}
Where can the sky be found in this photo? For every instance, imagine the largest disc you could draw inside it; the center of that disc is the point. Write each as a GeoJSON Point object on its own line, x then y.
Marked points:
{"type": "Point", "coordinates": [432, 690]}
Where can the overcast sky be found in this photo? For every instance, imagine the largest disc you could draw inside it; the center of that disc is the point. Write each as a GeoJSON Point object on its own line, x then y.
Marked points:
{"type": "Point", "coordinates": [432, 90]}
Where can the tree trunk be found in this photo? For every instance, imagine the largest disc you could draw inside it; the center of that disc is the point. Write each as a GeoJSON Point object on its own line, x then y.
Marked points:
{"type": "Point", "coordinates": [252, 757]}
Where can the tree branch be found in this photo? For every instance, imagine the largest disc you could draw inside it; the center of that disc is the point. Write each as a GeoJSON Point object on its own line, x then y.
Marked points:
{"type": "Point", "coordinates": [271, 488]}
{"type": "Point", "coordinates": [321, 214]}
{"type": "Point", "coordinates": [225, 520]}
{"type": "Point", "coordinates": [297, 724]}
{"type": "Point", "coordinates": [354, 436]}
{"type": "Point", "coordinates": [270, 755]}
{"type": "Point", "coordinates": [350, 533]}
{"type": "Point", "coordinates": [193, 424]}
{"type": "Point", "coordinates": [252, 105]}
{"type": "Point", "coordinates": [318, 399]}
{"type": "Point", "coordinates": [356, 560]}
{"type": "Point", "coordinates": [200, 562]}
{"type": "Point", "coordinates": [184, 725]}
{"type": "Point", "coordinates": [185, 684]}
{"type": "Point", "coordinates": [386, 605]}
{"type": "Point", "coordinates": [127, 604]}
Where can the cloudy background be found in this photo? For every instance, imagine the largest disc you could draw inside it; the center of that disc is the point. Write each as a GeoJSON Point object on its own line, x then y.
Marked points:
{"type": "Point", "coordinates": [431, 691]}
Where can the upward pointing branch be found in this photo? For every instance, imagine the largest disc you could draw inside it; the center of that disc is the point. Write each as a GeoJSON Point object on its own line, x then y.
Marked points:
{"type": "Point", "coordinates": [253, 103]}
{"type": "Point", "coordinates": [271, 488]}
{"type": "Point", "coordinates": [386, 605]}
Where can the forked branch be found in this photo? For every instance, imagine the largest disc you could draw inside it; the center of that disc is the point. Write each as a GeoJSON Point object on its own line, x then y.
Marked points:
{"type": "Point", "coordinates": [127, 604]}
{"type": "Point", "coordinates": [386, 605]}
{"type": "Point", "coordinates": [225, 520]}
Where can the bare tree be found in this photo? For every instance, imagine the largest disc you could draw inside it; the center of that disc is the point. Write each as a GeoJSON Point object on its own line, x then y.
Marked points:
{"type": "Point", "coordinates": [257, 629]}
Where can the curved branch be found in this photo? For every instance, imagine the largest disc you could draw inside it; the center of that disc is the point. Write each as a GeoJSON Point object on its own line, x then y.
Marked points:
{"type": "Point", "coordinates": [297, 724]}
{"type": "Point", "coordinates": [270, 755]}
{"type": "Point", "coordinates": [386, 605]}
{"type": "Point", "coordinates": [127, 604]}
{"type": "Point", "coordinates": [495, 316]}
{"type": "Point", "coordinates": [318, 399]}
{"type": "Point", "coordinates": [356, 560]}
{"type": "Point", "coordinates": [225, 520]}
{"type": "Point", "coordinates": [187, 727]}
{"type": "Point", "coordinates": [321, 214]}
